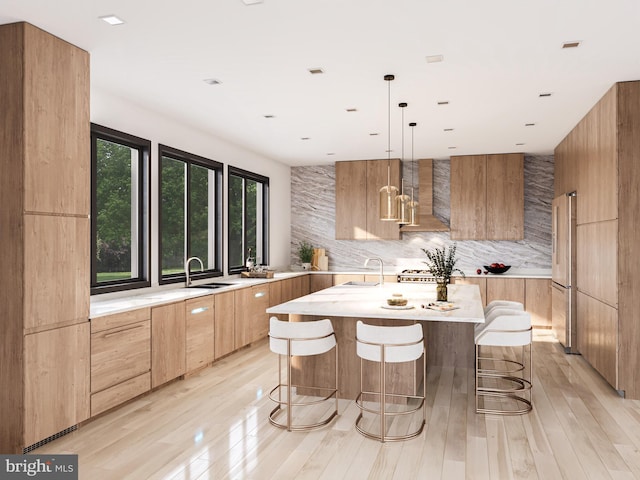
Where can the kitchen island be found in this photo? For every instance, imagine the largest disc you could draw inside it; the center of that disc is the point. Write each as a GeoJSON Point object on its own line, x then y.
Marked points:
{"type": "Point", "coordinates": [448, 334]}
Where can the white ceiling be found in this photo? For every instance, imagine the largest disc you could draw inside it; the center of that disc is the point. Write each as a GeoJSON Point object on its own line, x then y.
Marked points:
{"type": "Point", "coordinates": [499, 55]}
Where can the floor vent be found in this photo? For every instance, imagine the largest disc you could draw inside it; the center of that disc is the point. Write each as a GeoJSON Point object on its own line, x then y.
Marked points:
{"type": "Point", "coordinates": [31, 448]}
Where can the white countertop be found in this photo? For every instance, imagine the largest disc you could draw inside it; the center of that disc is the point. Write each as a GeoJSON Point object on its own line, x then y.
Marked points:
{"type": "Point", "coordinates": [367, 302]}
{"type": "Point", "coordinates": [124, 301]}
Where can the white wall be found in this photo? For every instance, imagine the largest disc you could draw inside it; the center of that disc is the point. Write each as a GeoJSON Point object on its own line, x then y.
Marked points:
{"type": "Point", "coordinates": [113, 112]}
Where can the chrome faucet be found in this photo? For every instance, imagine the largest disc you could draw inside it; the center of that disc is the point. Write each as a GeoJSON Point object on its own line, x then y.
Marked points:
{"type": "Point", "coordinates": [366, 262]}
{"type": "Point", "coordinates": [186, 268]}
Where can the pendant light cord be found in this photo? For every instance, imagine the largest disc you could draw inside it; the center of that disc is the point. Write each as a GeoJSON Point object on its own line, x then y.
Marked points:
{"type": "Point", "coordinates": [389, 132]}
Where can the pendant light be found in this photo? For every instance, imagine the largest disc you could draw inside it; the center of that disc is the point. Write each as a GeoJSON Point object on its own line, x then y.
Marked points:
{"type": "Point", "coordinates": [413, 205]}
{"type": "Point", "coordinates": [402, 200]}
{"type": "Point", "coordinates": [388, 206]}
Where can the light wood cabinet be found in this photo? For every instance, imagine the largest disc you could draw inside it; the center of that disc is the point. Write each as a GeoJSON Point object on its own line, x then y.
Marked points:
{"type": "Point", "coordinates": [320, 282]}
{"type": "Point", "coordinates": [505, 289]}
{"type": "Point", "coordinates": [224, 335]}
{"type": "Point", "coordinates": [252, 320]}
{"type": "Point", "coordinates": [600, 159]}
{"type": "Point", "coordinates": [487, 197]}
{"type": "Point", "coordinates": [358, 185]}
{"type": "Point", "coordinates": [200, 318]}
{"type": "Point", "coordinates": [44, 193]}
{"type": "Point", "coordinates": [120, 358]}
{"type": "Point", "coordinates": [168, 342]}
{"type": "Point", "coordinates": [56, 381]}
{"type": "Point", "coordinates": [537, 301]}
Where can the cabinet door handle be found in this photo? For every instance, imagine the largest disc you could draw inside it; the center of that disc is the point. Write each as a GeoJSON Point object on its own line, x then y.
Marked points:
{"type": "Point", "coordinates": [198, 310]}
{"type": "Point", "coordinates": [111, 334]}
{"type": "Point", "coordinates": [260, 294]}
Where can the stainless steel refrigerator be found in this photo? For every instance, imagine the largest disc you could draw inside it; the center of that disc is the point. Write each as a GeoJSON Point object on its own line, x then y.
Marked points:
{"type": "Point", "coordinates": [563, 291]}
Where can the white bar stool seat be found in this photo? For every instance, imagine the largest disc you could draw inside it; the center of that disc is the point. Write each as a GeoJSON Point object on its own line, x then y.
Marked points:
{"type": "Point", "coordinates": [503, 304]}
{"type": "Point", "coordinates": [389, 345]}
{"type": "Point", "coordinates": [299, 339]}
{"type": "Point", "coordinates": [504, 328]}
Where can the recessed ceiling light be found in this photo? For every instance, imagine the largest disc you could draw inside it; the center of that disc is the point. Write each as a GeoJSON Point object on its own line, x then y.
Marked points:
{"type": "Point", "coordinates": [304, 138]}
{"type": "Point", "coordinates": [373, 134]}
{"type": "Point", "coordinates": [443, 102]}
{"type": "Point", "coordinates": [548, 94]}
{"type": "Point", "coordinates": [251, 2]}
{"type": "Point", "coordinates": [330, 153]}
{"type": "Point", "coordinates": [269, 116]}
{"type": "Point", "coordinates": [315, 71]}
{"type": "Point", "coordinates": [529, 124]}
{"type": "Point", "coordinates": [352, 109]}
{"type": "Point", "coordinates": [448, 129]}
{"type": "Point", "coordinates": [435, 58]}
{"type": "Point", "coordinates": [112, 20]}
{"type": "Point", "coordinates": [211, 81]}
{"type": "Point", "coordinates": [520, 144]}
{"type": "Point", "coordinates": [388, 151]}
{"type": "Point", "coordinates": [570, 44]}
{"type": "Point", "coordinates": [452, 148]}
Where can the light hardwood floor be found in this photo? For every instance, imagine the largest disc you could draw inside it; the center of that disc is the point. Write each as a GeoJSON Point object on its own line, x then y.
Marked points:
{"type": "Point", "coordinates": [214, 425]}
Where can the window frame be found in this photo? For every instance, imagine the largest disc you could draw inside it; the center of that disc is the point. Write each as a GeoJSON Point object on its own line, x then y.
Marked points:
{"type": "Point", "coordinates": [192, 159]}
{"type": "Point", "coordinates": [144, 214]}
{"type": "Point", "coordinates": [247, 175]}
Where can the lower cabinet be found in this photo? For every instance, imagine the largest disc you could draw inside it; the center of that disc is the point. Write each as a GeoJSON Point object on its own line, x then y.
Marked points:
{"type": "Point", "coordinates": [252, 320]}
{"type": "Point", "coordinates": [120, 358]}
{"type": "Point", "coordinates": [56, 388]}
{"type": "Point", "coordinates": [168, 341]}
{"type": "Point", "coordinates": [505, 289]}
{"type": "Point", "coordinates": [319, 282]}
{"type": "Point", "coordinates": [224, 337]}
{"type": "Point", "coordinates": [200, 315]}
{"type": "Point", "coordinates": [537, 301]}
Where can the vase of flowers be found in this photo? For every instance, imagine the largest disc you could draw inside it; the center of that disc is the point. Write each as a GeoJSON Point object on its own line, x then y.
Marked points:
{"type": "Point", "coordinates": [441, 265]}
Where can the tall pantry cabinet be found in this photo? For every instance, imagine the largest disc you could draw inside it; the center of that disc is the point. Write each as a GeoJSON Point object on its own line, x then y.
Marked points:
{"type": "Point", "coordinates": [45, 236]}
{"type": "Point", "coordinates": [600, 160]}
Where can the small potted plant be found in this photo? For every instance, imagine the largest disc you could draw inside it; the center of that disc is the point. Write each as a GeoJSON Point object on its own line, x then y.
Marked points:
{"type": "Point", "coordinates": [305, 253]}
{"type": "Point", "coordinates": [441, 264]}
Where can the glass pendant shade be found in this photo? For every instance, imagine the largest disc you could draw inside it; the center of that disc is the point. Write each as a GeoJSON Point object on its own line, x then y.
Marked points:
{"type": "Point", "coordinates": [414, 209]}
{"type": "Point", "coordinates": [402, 202]}
{"type": "Point", "coordinates": [388, 205]}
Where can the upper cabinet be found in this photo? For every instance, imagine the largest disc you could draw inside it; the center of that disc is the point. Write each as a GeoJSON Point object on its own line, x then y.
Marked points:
{"type": "Point", "coordinates": [358, 185]}
{"type": "Point", "coordinates": [487, 197]}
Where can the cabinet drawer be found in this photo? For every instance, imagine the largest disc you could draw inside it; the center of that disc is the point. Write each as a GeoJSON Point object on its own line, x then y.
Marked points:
{"type": "Point", "coordinates": [119, 319]}
{"type": "Point", "coordinates": [119, 354]}
{"type": "Point", "coordinates": [199, 313]}
{"type": "Point", "coordinates": [114, 396]}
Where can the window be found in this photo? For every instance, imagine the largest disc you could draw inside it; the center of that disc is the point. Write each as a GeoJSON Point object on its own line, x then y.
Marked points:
{"type": "Point", "coordinates": [119, 210]}
{"type": "Point", "coordinates": [248, 218]}
{"type": "Point", "coordinates": [190, 215]}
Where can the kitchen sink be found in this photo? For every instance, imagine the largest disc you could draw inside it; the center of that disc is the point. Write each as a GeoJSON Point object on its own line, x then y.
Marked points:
{"type": "Point", "coordinates": [212, 285]}
{"type": "Point", "coordinates": [361, 284]}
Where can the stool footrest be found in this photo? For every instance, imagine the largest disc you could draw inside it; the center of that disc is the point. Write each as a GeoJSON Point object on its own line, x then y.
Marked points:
{"type": "Point", "coordinates": [526, 409]}
{"type": "Point", "coordinates": [332, 392]}
{"type": "Point", "coordinates": [360, 405]}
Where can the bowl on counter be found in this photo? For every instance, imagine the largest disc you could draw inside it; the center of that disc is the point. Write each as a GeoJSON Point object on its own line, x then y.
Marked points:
{"type": "Point", "coordinates": [496, 270]}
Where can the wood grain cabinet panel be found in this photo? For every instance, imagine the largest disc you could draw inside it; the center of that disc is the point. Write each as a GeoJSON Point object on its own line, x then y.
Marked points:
{"type": "Point", "coordinates": [252, 320]}
{"type": "Point", "coordinates": [320, 282]}
{"type": "Point", "coordinates": [275, 298]}
{"type": "Point", "coordinates": [168, 342]}
{"type": "Point", "coordinates": [468, 197]}
{"type": "Point", "coordinates": [56, 382]}
{"type": "Point", "coordinates": [487, 197]}
{"type": "Point", "coordinates": [200, 319]}
{"type": "Point", "coordinates": [505, 197]}
{"type": "Point", "coordinates": [119, 354]}
{"type": "Point", "coordinates": [56, 270]}
{"type": "Point", "coordinates": [597, 263]}
{"type": "Point", "coordinates": [358, 184]}
{"type": "Point", "coordinates": [351, 200]}
{"type": "Point", "coordinates": [505, 289]}
{"type": "Point", "coordinates": [537, 301]}
{"type": "Point", "coordinates": [224, 324]}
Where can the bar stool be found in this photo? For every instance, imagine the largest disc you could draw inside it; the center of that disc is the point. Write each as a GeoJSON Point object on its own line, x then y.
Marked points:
{"type": "Point", "coordinates": [389, 345]}
{"type": "Point", "coordinates": [300, 339]}
{"type": "Point", "coordinates": [504, 328]}
{"type": "Point", "coordinates": [502, 304]}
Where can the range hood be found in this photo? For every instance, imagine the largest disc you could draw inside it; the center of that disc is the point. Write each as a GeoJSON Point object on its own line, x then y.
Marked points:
{"type": "Point", "coordinates": [428, 223]}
